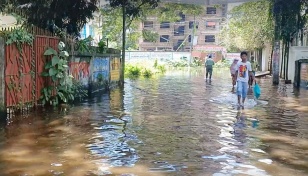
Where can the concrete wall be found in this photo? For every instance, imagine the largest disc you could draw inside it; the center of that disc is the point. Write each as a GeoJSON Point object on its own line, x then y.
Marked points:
{"type": "Point", "coordinates": [97, 72]}
{"type": "Point", "coordinates": [139, 56]}
{"type": "Point", "coordinates": [80, 69]}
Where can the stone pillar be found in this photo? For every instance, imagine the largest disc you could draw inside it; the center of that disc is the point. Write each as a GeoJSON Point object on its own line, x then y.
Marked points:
{"type": "Point", "coordinates": [2, 75]}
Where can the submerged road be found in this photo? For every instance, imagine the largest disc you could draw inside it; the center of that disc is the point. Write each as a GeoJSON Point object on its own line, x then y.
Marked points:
{"type": "Point", "coordinates": [177, 124]}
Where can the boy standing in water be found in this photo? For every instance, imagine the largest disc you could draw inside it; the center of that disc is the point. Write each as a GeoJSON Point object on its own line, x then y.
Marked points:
{"type": "Point", "coordinates": [243, 71]}
{"type": "Point", "coordinates": [233, 72]}
{"type": "Point", "coordinates": [209, 66]}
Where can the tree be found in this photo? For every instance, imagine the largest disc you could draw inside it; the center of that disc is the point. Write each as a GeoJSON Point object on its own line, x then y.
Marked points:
{"type": "Point", "coordinates": [131, 9]}
{"type": "Point", "coordinates": [171, 11]}
{"type": "Point", "coordinates": [111, 28]}
{"type": "Point", "coordinates": [290, 18]}
{"type": "Point", "coordinates": [249, 27]}
{"type": "Point", "coordinates": [67, 15]}
{"type": "Point", "coordinates": [150, 35]}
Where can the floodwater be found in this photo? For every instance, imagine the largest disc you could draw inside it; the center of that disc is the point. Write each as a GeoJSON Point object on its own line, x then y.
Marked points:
{"type": "Point", "coordinates": [177, 125]}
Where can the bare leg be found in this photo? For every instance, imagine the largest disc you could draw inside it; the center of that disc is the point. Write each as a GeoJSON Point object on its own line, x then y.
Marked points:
{"type": "Point", "coordinates": [239, 99]}
{"type": "Point", "coordinates": [211, 72]}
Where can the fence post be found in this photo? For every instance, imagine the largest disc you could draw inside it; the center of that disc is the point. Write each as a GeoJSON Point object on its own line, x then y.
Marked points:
{"type": "Point", "coordinates": [2, 75]}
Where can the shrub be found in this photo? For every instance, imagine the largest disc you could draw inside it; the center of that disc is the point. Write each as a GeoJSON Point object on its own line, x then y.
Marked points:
{"type": "Point", "coordinates": [147, 73]}
{"type": "Point", "coordinates": [101, 46]}
{"type": "Point", "coordinates": [196, 62]}
{"type": "Point", "coordinates": [161, 68]}
{"type": "Point", "coordinates": [222, 64]}
{"type": "Point", "coordinates": [155, 63]}
{"type": "Point", "coordinates": [132, 71]}
{"type": "Point", "coordinates": [64, 88]}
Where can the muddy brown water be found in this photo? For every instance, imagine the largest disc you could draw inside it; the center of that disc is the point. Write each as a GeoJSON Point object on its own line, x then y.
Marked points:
{"type": "Point", "coordinates": [167, 125]}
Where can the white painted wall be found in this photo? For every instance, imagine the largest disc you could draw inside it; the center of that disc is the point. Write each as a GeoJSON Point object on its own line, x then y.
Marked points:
{"type": "Point", "coordinates": [296, 53]}
{"type": "Point", "coordinates": [266, 55]}
{"type": "Point", "coordinates": [139, 56]}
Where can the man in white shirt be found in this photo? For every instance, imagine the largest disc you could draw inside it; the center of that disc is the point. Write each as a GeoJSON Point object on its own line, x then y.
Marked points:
{"type": "Point", "coordinates": [243, 71]}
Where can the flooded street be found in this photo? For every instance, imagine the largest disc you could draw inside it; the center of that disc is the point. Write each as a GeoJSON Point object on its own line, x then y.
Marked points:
{"type": "Point", "coordinates": [177, 124]}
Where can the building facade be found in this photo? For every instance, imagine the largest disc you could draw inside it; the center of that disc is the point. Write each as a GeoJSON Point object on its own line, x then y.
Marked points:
{"type": "Point", "coordinates": [91, 28]}
{"type": "Point", "coordinates": [179, 36]}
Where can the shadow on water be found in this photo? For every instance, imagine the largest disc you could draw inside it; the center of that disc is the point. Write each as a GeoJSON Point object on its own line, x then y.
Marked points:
{"type": "Point", "coordinates": [177, 124]}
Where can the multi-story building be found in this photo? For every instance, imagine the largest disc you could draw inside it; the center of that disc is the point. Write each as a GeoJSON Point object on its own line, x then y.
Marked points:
{"type": "Point", "coordinates": [179, 36]}
{"type": "Point", "coordinates": [90, 29]}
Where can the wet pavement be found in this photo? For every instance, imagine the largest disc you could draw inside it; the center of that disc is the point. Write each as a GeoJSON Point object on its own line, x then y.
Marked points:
{"type": "Point", "coordinates": [177, 124]}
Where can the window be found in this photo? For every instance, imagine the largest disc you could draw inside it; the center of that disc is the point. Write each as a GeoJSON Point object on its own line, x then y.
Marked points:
{"type": "Point", "coordinates": [179, 31]}
{"type": "Point", "coordinates": [211, 10]}
{"type": "Point", "coordinates": [91, 31]}
{"type": "Point", "coordinates": [189, 38]}
{"type": "Point", "coordinates": [210, 25]}
{"type": "Point", "coordinates": [83, 33]}
{"type": "Point", "coordinates": [165, 25]}
{"type": "Point", "coordinates": [164, 38]}
{"type": "Point", "coordinates": [209, 38]}
{"type": "Point", "coordinates": [179, 45]}
{"type": "Point", "coordinates": [191, 25]}
{"type": "Point", "coordinates": [224, 9]}
{"type": "Point", "coordinates": [148, 24]}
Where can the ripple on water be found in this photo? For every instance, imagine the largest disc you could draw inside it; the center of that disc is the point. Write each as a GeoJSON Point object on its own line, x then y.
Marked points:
{"type": "Point", "coordinates": [230, 99]}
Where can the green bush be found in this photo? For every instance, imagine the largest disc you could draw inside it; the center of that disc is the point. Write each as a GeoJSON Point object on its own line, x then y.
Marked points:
{"type": "Point", "coordinates": [161, 68]}
{"type": "Point", "coordinates": [147, 73]}
{"type": "Point", "coordinates": [155, 63]}
{"type": "Point", "coordinates": [132, 71]}
{"type": "Point", "coordinates": [222, 64]}
{"type": "Point", "coordinates": [196, 62]}
{"type": "Point", "coordinates": [64, 89]}
{"type": "Point", "coordinates": [79, 90]}
{"type": "Point", "coordinates": [102, 46]}
{"type": "Point", "coordinates": [183, 62]}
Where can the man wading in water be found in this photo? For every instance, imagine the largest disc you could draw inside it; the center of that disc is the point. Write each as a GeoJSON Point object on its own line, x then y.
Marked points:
{"type": "Point", "coordinates": [243, 70]}
{"type": "Point", "coordinates": [209, 67]}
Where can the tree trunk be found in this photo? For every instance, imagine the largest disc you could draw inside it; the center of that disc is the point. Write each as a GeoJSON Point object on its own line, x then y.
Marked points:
{"type": "Point", "coordinates": [276, 56]}
{"type": "Point", "coordinates": [302, 37]}
{"type": "Point", "coordinates": [282, 59]}
{"type": "Point", "coordinates": [271, 61]}
{"type": "Point", "coordinates": [123, 45]}
{"type": "Point", "coordinates": [287, 61]}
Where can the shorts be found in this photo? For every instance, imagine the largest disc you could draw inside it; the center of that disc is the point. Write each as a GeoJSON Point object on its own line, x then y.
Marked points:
{"type": "Point", "coordinates": [242, 89]}
{"type": "Point", "coordinates": [209, 70]}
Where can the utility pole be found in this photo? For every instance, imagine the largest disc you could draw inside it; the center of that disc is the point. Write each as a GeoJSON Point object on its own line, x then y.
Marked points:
{"type": "Point", "coordinates": [123, 45]}
{"type": "Point", "coordinates": [192, 40]}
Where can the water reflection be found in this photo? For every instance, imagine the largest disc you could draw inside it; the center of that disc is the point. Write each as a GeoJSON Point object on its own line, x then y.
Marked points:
{"type": "Point", "coordinates": [177, 124]}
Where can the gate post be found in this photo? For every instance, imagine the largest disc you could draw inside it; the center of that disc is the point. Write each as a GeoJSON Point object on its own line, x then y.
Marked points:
{"type": "Point", "coordinates": [2, 76]}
